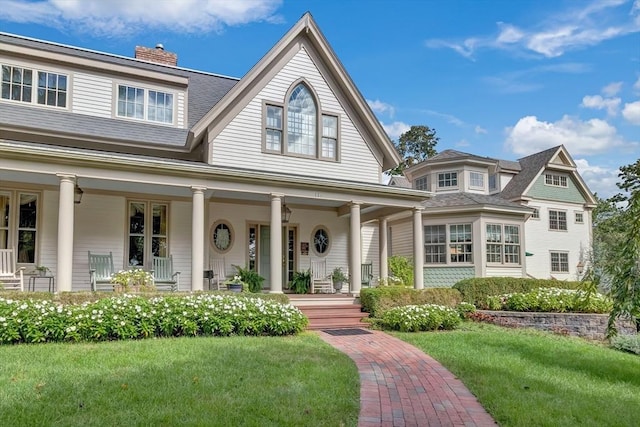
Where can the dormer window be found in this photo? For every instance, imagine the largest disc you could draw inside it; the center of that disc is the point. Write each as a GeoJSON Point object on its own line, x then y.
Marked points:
{"type": "Point", "coordinates": [20, 84]}
{"type": "Point", "coordinates": [447, 179]}
{"type": "Point", "coordinates": [145, 104]}
{"type": "Point", "coordinates": [476, 179]}
{"type": "Point", "coordinates": [301, 126]}
{"type": "Point", "coordinates": [555, 180]}
{"type": "Point", "coordinates": [422, 183]}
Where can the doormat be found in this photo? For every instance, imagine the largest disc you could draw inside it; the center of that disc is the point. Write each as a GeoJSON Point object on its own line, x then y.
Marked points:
{"type": "Point", "coordinates": [338, 332]}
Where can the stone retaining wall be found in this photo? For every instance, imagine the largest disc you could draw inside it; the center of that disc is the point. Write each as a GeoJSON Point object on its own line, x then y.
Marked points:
{"type": "Point", "coordinates": [590, 326]}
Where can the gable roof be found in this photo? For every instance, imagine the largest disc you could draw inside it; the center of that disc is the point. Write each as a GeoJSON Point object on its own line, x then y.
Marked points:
{"type": "Point", "coordinates": [532, 166]}
{"type": "Point", "coordinates": [305, 33]}
{"type": "Point", "coordinates": [399, 181]}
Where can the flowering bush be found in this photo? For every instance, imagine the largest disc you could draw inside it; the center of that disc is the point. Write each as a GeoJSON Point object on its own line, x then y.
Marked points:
{"type": "Point", "coordinates": [132, 317]}
{"type": "Point", "coordinates": [134, 278]}
{"type": "Point", "coordinates": [552, 300]}
{"type": "Point", "coordinates": [413, 318]}
{"type": "Point", "coordinates": [389, 281]}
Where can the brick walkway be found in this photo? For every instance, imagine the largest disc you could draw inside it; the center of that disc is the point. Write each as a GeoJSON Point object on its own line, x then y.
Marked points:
{"type": "Point", "coordinates": [402, 386]}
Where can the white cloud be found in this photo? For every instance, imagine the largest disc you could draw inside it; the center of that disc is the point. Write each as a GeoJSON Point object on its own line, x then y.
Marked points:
{"type": "Point", "coordinates": [530, 135]}
{"type": "Point", "coordinates": [631, 112]}
{"type": "Point", "coordinates": [395, 129]}
{"type": "Point", "coordinates": [126, 17]}
{"type": "Point", "coordinates": [599, 179]}
{"type": "Point", "coordinates": [480, 130]}
{"type": "Point", "coordinates": [612, 89]}
{"type": "Point", "coordinates": [599, 103]}
{"type": "Point", "coordinates": [586, 24]}
{"type": "Point", "coordinates": [380, 107]}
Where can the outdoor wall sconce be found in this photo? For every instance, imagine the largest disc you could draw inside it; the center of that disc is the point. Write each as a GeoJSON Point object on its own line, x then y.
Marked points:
{"type": "Point", "coordinates": [286, 213]}
{"type": "Point", "coordinates": [77, 195]}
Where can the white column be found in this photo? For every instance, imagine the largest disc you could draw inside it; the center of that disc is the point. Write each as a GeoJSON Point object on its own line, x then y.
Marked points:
{"type": "Point", "coordinates": [64, 268]}
{"type": "Point", "coordinates": [276, 244]}
{"type": "Point", "coordinates": [355, 258]}
{"type": "Point", "coordinates": [197, 238]}
{"type": "Point", "coordinates": [383, 247]}
{"type": "Point", "coordinates": [418, 250]}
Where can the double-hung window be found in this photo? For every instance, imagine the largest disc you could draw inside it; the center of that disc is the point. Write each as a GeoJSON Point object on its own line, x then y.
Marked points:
{"type": "Point", "coordinates": [34, 86]}
{"type": "Point", "coordinates": [148, 231]}
{"type": "Point", "coordinates": [144, 104]}
{"type": "Point", "coordinates": [460, 246]}
{"type": "Point", "coordinates": [503, 244]}
{"type": "Point", "coordinates": [476, 179]}
{"type": "Point", "coordinates": [448, 244]}
{"type": "Point", "coordinates": [422, 183]}
{"type": "Point", "coordinates": [557, 220]}
{"type": "Point", "coordinates": [559, 262]}
{"type": "Point", "coordinates": [19, 224]}
{"type": "Point", "coordinates": [435, 244]}
{"type": "Point", "coordinates": [299, 128]}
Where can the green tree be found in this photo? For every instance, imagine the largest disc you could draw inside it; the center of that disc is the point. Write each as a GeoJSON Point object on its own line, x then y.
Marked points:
{"type": "Point", "coordinates": [624, 266]}
{"type": "Point", "coordinates": [415, 145]}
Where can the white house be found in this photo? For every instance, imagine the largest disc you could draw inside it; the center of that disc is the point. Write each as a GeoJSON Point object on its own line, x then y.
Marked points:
{"type": "Point", "coordinates": [172, 161]}
{"type": "Point", "coordinates": [491, 217]}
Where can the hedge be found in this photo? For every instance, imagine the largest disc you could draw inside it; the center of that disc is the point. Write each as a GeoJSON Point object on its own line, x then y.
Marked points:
{"type": "Point", "coordinates": [476, 290]}
{"type": "Point", "coordinates": [376, 301]}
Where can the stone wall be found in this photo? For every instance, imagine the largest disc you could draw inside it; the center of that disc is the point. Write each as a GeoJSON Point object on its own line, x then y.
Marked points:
{"type": "Point", "coordinates": [590, 326]}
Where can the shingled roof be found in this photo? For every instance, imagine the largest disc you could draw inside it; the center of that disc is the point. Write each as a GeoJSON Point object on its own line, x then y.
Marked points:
{"type": "Point", "coordinates": [530, 168]}
{"type": "Point", "coordinates": [449, 200]}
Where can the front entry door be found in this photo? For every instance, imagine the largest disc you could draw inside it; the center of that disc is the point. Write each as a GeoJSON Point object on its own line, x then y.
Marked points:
{"type": "Point", "coordinates": [263, 252]}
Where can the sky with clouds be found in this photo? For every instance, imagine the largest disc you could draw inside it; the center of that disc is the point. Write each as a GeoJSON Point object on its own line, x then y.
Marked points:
{"type": "Point", "coordinates": [495, 78]}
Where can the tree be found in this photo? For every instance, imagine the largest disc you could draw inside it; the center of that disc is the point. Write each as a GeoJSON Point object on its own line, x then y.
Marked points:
{"type": "Point", "coordinates": [624, 272]}
{"type": "Point", "coordinates": [415, 145]}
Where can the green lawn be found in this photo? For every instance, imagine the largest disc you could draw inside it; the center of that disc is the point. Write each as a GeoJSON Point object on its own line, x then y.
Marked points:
{"type": "Point", "coordinates": [530, 378]}
{"type": "Point", "coordinates": [248, 381]}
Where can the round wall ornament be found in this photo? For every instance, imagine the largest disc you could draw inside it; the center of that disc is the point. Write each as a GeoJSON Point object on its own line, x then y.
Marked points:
{"type": "Point", "coordinates": [222, 236]}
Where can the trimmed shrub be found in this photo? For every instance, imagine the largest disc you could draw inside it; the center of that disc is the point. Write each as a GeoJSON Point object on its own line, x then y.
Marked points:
{"type": "Point", "coordinates": [376, 301]}
{"type": "Point", "coordinates": [414, 318]}
{"type": "Point", "coordinates": [476, 290]}
{"type": "Point", "coordinates": [628, 343]}
{"type": "Point", "coordinates": [554, 300]}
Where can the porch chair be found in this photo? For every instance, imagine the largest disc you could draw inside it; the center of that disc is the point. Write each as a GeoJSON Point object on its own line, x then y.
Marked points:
{"type": "Point", "coordinates": [219, 271]}
{"type": "Point", "coordinates": [100, 271]}
{"type": "Point", "coordinates": [10, 276]}
{"type": "Point", "coordinates": [163, 275]}
{"type": "Point", "coordinates": [320, 279]}
{"type": "Point", "coordinates": [367, 274]}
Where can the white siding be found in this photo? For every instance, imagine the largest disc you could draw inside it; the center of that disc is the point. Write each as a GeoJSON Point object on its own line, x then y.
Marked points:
{"type": "Point", "coordinates": [240, 143]}
{"type": "Point", "coordinates": [180, 110]}
{"type": "Point", "coordinates": [402, 239]}
{"type": "Point", "coordinates": [180, 241]}
{"type": "Point", "coordinates": [540, 240]}
{"type": "Point", "coordinates": [47, 236]}
{"type": "Point", "coordinates": [504, 272]}
{"type": "Point", "coordinates": [370, 248]}
{"type": "Point", "coordinates": [92, 95]}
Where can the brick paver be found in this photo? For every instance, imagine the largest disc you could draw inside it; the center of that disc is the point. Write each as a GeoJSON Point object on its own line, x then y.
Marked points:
{"type": "Point", "coordinates": [402, 386]}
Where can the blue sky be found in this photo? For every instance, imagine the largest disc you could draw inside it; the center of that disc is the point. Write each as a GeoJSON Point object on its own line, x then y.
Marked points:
{"type": "Point", "coordinates": [498, 78]}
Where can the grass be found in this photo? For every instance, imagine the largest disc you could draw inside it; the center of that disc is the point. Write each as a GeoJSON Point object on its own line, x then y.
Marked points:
{"type": "Point", "coordinates": [239, 381]}
{"type": "Point", "coordinates": [529, 378]}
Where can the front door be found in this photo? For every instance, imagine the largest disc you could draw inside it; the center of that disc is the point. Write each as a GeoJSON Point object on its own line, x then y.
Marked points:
{"type": "Point", "coordinates": [260, 252]}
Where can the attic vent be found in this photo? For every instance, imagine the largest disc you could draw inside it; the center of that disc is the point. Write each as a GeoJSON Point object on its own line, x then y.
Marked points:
{"type": "Point", "coordinates": [157, 55]}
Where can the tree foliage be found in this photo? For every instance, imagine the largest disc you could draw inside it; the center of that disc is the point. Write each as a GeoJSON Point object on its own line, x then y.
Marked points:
{"type": "Point", "coordinates": [617, 247]}
{"type": "Point", "coordinates": [415, 145]}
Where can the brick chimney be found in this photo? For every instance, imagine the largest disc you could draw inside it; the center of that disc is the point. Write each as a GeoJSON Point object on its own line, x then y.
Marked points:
{"type": "Point", "coordinates": [157, 55]}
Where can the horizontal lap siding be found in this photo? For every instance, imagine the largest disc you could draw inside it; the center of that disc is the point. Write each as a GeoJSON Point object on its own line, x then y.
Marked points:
{"type": "Point", "coordinates": [47, 235]}
{"type": "Point", "coordinates": [504, 272]}
{"type": "Point", "coordinates": [240, 143]}
{"type": "Point", "coordinates": [180, 215]}
{"type": "Point", "coordinates": [370, 248]}
{"type": "Point", "coordinates": [92, 95]}
{"type": "Point", "coordinates": [402, 239]}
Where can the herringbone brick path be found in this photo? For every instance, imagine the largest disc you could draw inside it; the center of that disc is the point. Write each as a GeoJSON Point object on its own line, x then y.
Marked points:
{"type": "Point", "coordinates": [402, 386]}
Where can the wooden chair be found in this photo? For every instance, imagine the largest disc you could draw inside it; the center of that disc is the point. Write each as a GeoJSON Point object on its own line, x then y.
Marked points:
{"type": "Point", "coordinates": [320, 279]}
{"type": "Point", "coordinates": [100, 271]}
{"type": "Point", "coordinates": [219, 271]}
{"type": "Point", "coordinates": [10, 276]}
{"type": "Point", "coordinates": [163, 274]}
{"type": "Point", "coordinates": [367, 274]}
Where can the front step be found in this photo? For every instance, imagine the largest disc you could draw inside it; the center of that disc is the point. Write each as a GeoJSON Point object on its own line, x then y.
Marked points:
{"type": "Point", "coordinates": [334, 316]}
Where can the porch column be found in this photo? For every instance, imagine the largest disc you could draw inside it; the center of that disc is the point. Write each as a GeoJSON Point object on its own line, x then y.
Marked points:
{"type": "Point", "coordinates": [197, 238]}
{"type": "Point", "coordinates": [276, 244]}
{"type": "Point", "coordinates": [384, 247]}
{"type": "Point", "coordinates": [418, 250]}
{"type": "Point", "coordinates": [355, 258]}
{"type": "Point", "coordinates": [64, 267]}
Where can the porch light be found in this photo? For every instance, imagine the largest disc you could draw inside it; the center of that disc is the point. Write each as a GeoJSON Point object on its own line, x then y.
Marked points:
{"type": "Point", "coordinates": [580, 267]}
{"type": "Point", "coordinates": [77, 195]}
{"type": "Point", "coordinates": [286, 213]}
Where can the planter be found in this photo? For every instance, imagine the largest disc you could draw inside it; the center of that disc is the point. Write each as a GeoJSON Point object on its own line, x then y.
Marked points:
{"type": "Point", "coordinates": [235, 287]}
{"type": "Point", "coordinates": [338, 287]}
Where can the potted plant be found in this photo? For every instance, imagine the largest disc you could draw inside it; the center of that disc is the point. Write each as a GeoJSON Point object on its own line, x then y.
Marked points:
{"type": "Point", "coordinates": [339, 279]}
{"type": "Point", "coordinates": [42, 270]}
{"type": "Point", "coordinates": [301, 282]}
{"type": "Point", "coordinates": [236, 284]}
{"type": "Point", "coordinates": [251, 278]}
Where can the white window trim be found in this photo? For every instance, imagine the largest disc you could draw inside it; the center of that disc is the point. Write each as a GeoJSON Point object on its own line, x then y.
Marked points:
{"type": "Point", "coordinates": [146, 89]}
{"type": "Point", "coordinates": [148, 234]}
{"type": "Point", "coordinates": [34, 85]}
{"type": "Point", "coordinates": [535, 218]}
{"type": "Point", "coordinates": [448, 187]}
{"type": "Point", "coordinates": [561, 179]}
{"type": "Point", "coordinates": [559, 262]}
{"type": "Point", "coordinates": [566, 221]}
{"type": "Point", "coordinates": [13, 227]}
{"type": "Point", "coordinates": [447, 244]}
{"type": "Point", "coordinates": [471, 185]}
{"type": "Point", "coordinates": [575, 217]}
{"type": "Point", "coordinates": [503, 244]}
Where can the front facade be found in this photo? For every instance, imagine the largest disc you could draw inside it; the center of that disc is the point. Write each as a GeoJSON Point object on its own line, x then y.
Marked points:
{"type": "Point", "coordinates": [196, 166]}
{"type": "Point", "coordinates": [490, 217]}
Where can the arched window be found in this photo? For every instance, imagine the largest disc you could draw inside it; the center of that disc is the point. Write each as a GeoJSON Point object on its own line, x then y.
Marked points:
{"type": "Point", "coordinates": [301, 122]}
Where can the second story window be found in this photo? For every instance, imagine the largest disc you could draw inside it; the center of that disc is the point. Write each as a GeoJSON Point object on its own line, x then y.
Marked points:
{"type": "Point", "coordinates": [493, 181]}
{"type": "Point", "coordinates": [447, 179]}
{"type": "Point", "coordinates": [476, 179]}
{"type": "Point", "coordinates": [18, 85]}
{"type": "Point", "coordinates": [297, 127]}
{"type": "Point", "coordinates": [555, 180]}
{"type": "Point", "coordinates": [422, 183]}
{"type": "Point", "coordinates": [557, 220]}
{"type": "Point", "coordinates": [144, 104]}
